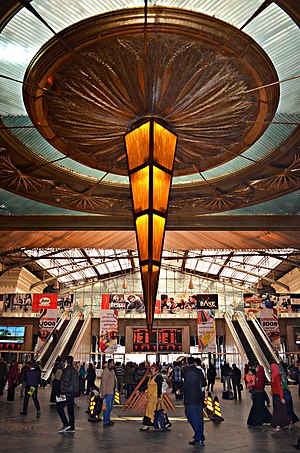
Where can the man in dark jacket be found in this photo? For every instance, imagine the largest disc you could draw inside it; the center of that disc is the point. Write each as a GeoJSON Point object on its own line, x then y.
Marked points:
{"type": "Point", "coordinates": [69, 386]}
{"type": "Point", "coordinates": [194, 381]}
{"type": "Point", "coordinates": [32, 382]}
{"type": "Point", "coordinates": [236, 376]}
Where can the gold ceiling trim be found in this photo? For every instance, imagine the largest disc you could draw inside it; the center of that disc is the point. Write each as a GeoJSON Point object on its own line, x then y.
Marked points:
{"type": "Point", "coordinates": [107, 83]}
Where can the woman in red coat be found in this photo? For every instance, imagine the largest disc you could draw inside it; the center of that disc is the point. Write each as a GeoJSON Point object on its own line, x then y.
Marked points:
{"type": "Point", "coordinates": [259, 413]}
{"type": "Point", "coordinates": [280, 416]}
{"type": "Point", "coordinates": [12, 378]}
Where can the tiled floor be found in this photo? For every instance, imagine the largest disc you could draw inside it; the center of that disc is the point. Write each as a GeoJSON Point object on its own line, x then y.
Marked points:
{"type": "Point", "coordinates": [29, 434]}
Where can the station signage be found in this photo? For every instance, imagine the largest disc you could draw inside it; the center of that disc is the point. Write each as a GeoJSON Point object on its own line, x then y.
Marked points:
{"type": "Point", "coordinates": [162, 340]}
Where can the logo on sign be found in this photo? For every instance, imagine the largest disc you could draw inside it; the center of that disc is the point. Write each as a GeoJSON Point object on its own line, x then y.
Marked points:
{"type": "Point", "coordinates": [45, 302]}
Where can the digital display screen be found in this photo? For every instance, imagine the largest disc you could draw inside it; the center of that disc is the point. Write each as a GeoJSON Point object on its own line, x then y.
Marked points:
{"type": "Point", "coordinates": [162, 340]}
{"type": "Point", "coordinates": [12, 334]}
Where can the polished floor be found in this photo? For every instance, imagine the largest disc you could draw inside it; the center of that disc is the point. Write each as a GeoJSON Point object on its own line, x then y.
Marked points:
{"type": "Point", "coordinates": [30, 434]}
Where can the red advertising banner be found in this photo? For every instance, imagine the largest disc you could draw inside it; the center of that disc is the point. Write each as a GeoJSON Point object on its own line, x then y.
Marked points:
{"type": "Point", "coordinates": [44, 302]}
{"type": "Point", "coordinates": [46, 325]}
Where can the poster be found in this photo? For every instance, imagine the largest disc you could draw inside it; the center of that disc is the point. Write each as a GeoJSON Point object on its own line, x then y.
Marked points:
{"type": "Point", "coordinates": [176, 302]}
{"type": "Point", "coordinates": [16, 302]}
{"type": "Point", "coordinates": [206, 331]}
{"type": "Point", "coordinates": [65, 302]}
{"type": "Point", "coordinates": [270, 325]}
{"type": "Point", "coordinates": [46, 325]}
{"type": "Point", "coordinates": [131, 303]}
{"type": "Point", "coordinates": [108, 331]}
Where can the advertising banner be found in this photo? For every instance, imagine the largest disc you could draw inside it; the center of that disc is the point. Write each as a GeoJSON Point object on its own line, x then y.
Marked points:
{"type": "Point", "coordinates": [108, 331]}
{"type": "Point", "coordinates": [44, 302]}
{"type": "Point", "coordinates": [46, 325]}
{"type": "Point", "coordinates": [65, 302]}
{"type": "Point", "coordinates": [270, 325]}
{"type": "Point", "coordinates": [16, 302]}
{"type": "Point", "coordinates": [206, 331]}
{"type": "Point", "coordinates": [128, 302]}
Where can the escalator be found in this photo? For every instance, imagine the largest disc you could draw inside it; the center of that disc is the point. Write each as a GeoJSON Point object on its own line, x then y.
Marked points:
{"type": "Point", "coordinates": [271, 357]}
{"type": "Point", "coordinates": [44, 359]}
{"type": "Point", "coordinates": [245, 343]}
{"type": "Point", "coordinates": [71, 340]}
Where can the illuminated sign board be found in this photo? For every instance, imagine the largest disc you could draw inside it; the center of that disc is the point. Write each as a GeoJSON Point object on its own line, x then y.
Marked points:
{"type": "Point", "coordinates": [162, 340]}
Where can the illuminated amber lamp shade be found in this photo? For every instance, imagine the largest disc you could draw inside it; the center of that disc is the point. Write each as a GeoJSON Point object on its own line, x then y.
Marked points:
{"type": "Point", "coordinates": [150, 149]}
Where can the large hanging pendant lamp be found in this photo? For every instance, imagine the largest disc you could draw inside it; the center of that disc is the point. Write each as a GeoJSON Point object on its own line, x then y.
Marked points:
{"type": "Point", "coordinates": [150, 148]}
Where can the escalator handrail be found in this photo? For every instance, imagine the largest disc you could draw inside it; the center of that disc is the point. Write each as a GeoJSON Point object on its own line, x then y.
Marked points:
{"type": "Point", "coordinates": [80, 335]}
{"type": "Point", "coordinates": [61, 344]}
{"type": "Point", "coordinates": [236, 338]}
{"type": "Point", "coordinates": [254, 345]}
{"type": "Point", "coordinates": [263, 336]}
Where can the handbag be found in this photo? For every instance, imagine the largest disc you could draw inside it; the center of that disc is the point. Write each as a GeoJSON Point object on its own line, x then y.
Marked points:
{"type": "Point", "coordinates": [241, 387]}
{"type": "Point", "coordinates": [161, 420]}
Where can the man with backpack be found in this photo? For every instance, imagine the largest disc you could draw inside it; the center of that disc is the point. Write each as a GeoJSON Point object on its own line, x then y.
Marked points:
{"type": "Point", "coordinates": [69, 386]}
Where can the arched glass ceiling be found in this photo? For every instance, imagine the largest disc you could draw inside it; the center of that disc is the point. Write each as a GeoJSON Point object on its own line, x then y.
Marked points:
{"type": "Point", "coordinates": [272, 29]}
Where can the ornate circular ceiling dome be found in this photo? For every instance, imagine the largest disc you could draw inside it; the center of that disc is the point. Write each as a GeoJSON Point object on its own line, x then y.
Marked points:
{"type": "Point", "coordinates": [91, 82]}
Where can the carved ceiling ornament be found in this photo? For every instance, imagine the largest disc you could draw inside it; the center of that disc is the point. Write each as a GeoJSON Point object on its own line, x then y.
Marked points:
{"type": "Point", "coordinates": [12, 178]}
{"type": "Point", "coordinates": [81, 201]}
{"type": "Point", "coordinates": [287, 178]}
{"type": "Point", "coordinates": [108, 83]}
{"type": "Point", "coordinates": [219, 201]}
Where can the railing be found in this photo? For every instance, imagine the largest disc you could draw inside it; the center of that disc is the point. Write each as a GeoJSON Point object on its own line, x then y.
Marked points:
{"type": "Point", "coordinates": [61, 344]}
{"type": "Point", "coordinates": [254, 344]}
{"type": "Point", "coordinates": [263, 336]}
{"type": "Point", "coordinates": [236, 339]}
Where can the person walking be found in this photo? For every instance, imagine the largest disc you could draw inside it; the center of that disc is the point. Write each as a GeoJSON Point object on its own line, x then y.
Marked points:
{"type": "Point", "coordinates": [154, 393]}
{"type": "Point", "coordinates": [128, 379]}
{"type": "Point", "coordinates": [69, 386]}
{"type": "Point", "coordinates": [193, 396]}
{"type": "Point", "coordinates": [12, 378]}
{"type": "Point", "coordinates": [259, 413]}
{"type": "Point", "coordinates": [82, 377]}
{"type": "Point", "coordinates": [280, 416]}
{"type": "Point", "coordinates": [3, 375]}
{"type": "Point", "coordinates": [107, 389]}
{"type": "Point", "coordinates": [236, 377]}
{"type": "Point", "coordinates": [22, 378]}
{"type": "Point", "coordinates": [32, 382]}
{"type": "Point", "coordinates": [57, 374]}
{"type": "Point", "coordinates": [177, 380]}
{"type": "Point", "coordinates": [211, 377]}
{"type": "Point", "coordinates": [119, 371]}
{"type": "Point", "coordinates": [90, 379]}
{"type": "Point", "coordinates": [287, 395]}
{"type": "Point", "coordinates": [226, 376]}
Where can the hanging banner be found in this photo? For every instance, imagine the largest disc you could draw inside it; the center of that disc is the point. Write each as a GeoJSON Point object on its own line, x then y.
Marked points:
{"type": "Point", "coordinates": [16, 302]}
{"type": "Point", "coordinates": [108, 331]}
{"type": "Point", "coordinates": [46, 325]}
{"type": "Point", "coordinates": [44, 302]}
{"type": "Point", "coordinates": [65, 302]}
{"type": "Point", "coordinates": [206, 331]}
{"type": "Point", "coordinates": [131, 303]}
{"type": "Point", "coordinates": [270, 325]}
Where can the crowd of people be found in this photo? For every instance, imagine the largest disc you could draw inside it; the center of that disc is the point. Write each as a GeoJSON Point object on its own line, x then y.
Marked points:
{"type": "Point", "coordinates": [188, 379]}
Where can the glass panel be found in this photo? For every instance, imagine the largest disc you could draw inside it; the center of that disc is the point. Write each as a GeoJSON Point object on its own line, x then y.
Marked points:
{"type": "Point", "coordinates": [137, 145]}
{"type": "Point", "coordinates": [158, 234]}
{"type": "Point", "coordinates": [161, 188]}
{"type": "Point", "coordinates": [142, 236]}
{"type": "Point", "coordinates": [140, 189]}
{"type": "Point", "coordinates": [164, 146]}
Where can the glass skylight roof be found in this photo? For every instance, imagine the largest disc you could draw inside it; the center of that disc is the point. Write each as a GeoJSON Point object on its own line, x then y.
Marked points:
{"type": "Point", "coordinates": [76, 266]}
